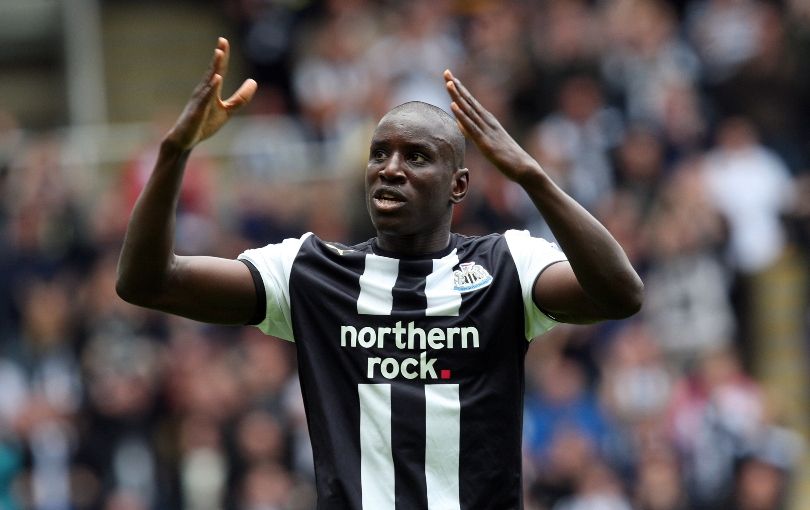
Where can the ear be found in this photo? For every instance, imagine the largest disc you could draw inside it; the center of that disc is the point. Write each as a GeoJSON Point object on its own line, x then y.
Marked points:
{"type": "Point", "coordinates": [461, 182]}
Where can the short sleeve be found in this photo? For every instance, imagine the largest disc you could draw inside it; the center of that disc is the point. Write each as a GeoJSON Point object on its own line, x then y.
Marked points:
{"type": "Point", "coordinates": [274, 264]}
{"type": "Point", "coordinates": [532, 255]}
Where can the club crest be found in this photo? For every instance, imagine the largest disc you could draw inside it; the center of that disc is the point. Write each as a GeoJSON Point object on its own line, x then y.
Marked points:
{"type": "Point", "coordinates": [470, 276]}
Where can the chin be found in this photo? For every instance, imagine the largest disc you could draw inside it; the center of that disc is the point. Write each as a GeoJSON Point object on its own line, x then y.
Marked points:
{"type": "Point", "coordinates": [388, 227]}
{"type": "Point", "coordinates": [392, 226]}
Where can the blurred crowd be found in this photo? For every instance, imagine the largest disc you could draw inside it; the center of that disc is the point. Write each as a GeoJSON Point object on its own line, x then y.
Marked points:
{"type": "Point", "coordinates": [683, 126]}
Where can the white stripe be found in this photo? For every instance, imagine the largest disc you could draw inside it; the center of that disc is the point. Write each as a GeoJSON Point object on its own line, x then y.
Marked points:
{"type": "Point", "coordinates": [442, 445]}
{"type": "Point", "coordinates": [376, 459]}
{"type": "Point", "coordinates": [442, 298]}
{"type": "Point", "coordinates": [531, 255]}
{"type": "Point", "coordinates": [274, 263]}
{"type": "Point", "coordinates": [376, 283]}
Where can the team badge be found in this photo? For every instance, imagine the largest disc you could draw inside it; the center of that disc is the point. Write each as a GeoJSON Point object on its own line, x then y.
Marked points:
{"type": "Point", "coordinates": [470, 276]}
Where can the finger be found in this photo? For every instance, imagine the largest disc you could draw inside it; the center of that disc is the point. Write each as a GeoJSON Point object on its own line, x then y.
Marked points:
{"type": "Point", "coordinates": [468, 126]}
{"type": "Point", "coordinates": [456, 91]}
{"type": "Point", "coordinates": [463, 92]}
{"type": "Point", "coordinates": [461, 127]}
{"type": "Point", "coordinates": [204, 90]}
{"type": "Point", "coordinates": [449, 80]}
{"type": "Point", "coordinates": [467, 97]}
{"type": "Point", "coordinates": [216, 60]}
{"type": "Point", "coordinates": [242, 96]}
{"type": "Point", "coordinates": [464, 104]}
{"type": "Point", "coordinates": [216, 86]}
{"type": "Point", "coordinates": [225, 47]}
{"type": "Point", "coordinates": [203, 87]}
{"type": "Point", "coordinates": [454, 86]}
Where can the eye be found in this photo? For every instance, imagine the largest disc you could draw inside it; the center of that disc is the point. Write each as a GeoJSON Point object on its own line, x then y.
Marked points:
{"type": "Point", "coordinates": [378, 154]}
{"type": "Point", "coordinates": [418, 158]}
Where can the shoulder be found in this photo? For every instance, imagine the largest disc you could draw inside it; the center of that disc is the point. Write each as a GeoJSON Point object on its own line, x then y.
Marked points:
{"type": "Point", "coordinates": [476, 243]}
{"type": "Point", "coordinates": [515, 242]}
{"type": "Point", "coordinates": [312, 241]}
{"type": "Point", "coordinates": [530, 254]}
{"type": "Point", "coordinates": [523, 240]}
{"type": "Point", "coordinates": [288, 247]}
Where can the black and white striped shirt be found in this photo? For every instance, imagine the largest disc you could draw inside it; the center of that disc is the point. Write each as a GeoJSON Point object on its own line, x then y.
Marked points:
{"type": "Point", "coordinates": [411, 367]}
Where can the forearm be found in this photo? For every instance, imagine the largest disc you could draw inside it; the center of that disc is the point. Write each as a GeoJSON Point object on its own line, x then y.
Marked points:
{"type": "Point", "coordinates": [147, 254]}
{"type": "Point", "coordinates": [598, 261]}
{"type": "Point", "coordinates": [606, 285]}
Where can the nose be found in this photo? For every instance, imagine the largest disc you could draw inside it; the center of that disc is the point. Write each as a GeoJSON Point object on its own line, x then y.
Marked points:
{"type": "Point", "coordinates": [392, 170]}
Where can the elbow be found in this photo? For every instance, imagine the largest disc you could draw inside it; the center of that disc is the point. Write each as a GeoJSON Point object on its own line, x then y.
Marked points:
{"type": "Point", "coordinates": [133, 293]}
{"type": "Point", "coordinates": [127, 291]}
{"type": "Point", "coordinates": [140, 285]}
{"type": "Point", "coordinates": [631, 301]}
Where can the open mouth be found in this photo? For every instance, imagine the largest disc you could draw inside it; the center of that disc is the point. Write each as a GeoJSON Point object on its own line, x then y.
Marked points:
{"type": "Point", "coordinates": [388, 199]}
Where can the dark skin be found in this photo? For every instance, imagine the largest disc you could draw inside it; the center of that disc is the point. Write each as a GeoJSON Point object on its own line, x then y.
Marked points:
{"type": "Point", "coordinates": [598, 282]}
{"type": "Point", "coordinates": [412, 182]}
{"type": "Point", "coordinates": [411, 163]}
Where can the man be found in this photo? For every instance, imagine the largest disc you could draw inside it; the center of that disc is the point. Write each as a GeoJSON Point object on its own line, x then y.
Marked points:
{"type": "Point", "coordinates": [410, 345]}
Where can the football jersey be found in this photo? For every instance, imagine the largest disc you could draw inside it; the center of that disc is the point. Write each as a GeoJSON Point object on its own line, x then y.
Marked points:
{"type": "Point", "coordinates": [411, 368]}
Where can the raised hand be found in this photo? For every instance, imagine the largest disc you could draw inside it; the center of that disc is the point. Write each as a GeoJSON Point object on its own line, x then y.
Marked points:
{"type": "Point", "coordinates": [483, 128]}
{"type": "Point", "coordinates": [206, 112]}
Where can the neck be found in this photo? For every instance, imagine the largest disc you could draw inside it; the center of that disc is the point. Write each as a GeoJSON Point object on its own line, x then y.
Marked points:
{"type": "Point", "coordinates": [416, 244]}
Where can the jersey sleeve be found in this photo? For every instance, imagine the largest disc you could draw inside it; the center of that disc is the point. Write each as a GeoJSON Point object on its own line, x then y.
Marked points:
{"type": "Point", "coordinates": [532, 255]}
{"type": "Point", "coordinates": [274, 264]}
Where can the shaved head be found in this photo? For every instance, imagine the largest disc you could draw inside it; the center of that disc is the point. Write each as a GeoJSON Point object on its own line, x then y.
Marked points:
{"type": "Point", "coordinates": [448, 129]}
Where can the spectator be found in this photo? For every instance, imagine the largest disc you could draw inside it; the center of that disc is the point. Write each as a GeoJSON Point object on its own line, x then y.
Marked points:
{"type": "Point", "coordinates": [575, 141]}
{"type": "Point", "coordinates": [562, 405]}
{"type": "Point", "coordinates": [715, 413]}
{"type": "Point", "coordinates": [751, 187]}
{"type": "Point", "coordinates": [415, 53]}
{"type": "Point", "coordinates": [688, 305]}
{"type": "Point", "coordinates": [646, 58]}
{"type": "Point", "coordinates": [724, 32]}
{"type": "Point", "coordinates": [660, 485]}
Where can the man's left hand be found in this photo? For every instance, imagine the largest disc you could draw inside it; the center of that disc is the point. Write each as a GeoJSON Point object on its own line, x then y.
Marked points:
{"type": "Point", "coordinates": [483, 128]}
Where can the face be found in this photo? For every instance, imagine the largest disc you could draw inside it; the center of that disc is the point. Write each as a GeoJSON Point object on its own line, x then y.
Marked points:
{"type": "Point", "coordinates": [412, 180]}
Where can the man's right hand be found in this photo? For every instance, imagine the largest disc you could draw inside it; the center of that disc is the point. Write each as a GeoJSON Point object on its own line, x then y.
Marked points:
{"type": "Point", "coordinates": [207, 289]}
{"type": "Point", "coordinates": [206, 112]}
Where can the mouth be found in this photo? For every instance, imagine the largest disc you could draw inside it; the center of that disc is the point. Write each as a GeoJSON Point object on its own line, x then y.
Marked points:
{"type": "Point", "coordinates": [388, 199]}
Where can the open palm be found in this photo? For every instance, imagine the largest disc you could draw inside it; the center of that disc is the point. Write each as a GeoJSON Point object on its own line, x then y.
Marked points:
{"type": "Point", "coordinates": [206, 112]}
{"type": "Point", "coordinates": [487, 133]}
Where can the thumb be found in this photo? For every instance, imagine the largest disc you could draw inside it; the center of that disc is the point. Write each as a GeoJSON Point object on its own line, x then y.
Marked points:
{"type": "Point", "coordinates": [242, 96]}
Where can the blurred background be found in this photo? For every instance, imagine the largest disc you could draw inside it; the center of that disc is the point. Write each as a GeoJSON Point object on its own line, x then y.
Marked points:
{"type": "Point", "coordinates": [682, 125]}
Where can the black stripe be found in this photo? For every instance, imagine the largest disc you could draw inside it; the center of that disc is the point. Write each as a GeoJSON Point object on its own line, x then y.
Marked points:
{"type": "Point", "coordinates": [409, 289]}
{"type": "Point", "coordinates": [408, 444]}
{"type": "Point", "coordinates": [260, 311]}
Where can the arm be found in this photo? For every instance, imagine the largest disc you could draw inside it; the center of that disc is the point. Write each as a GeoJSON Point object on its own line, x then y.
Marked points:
{"type": "Point", "coordinates": [598, 281]}
{"type": "Point", "coordinates": [149, 273]}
